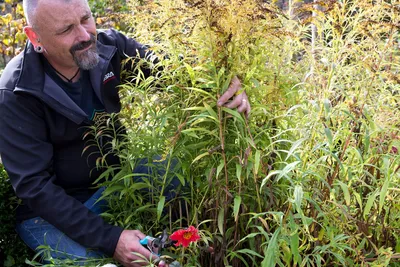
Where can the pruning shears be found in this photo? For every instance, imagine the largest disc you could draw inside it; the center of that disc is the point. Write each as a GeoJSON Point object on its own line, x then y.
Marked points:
{"type": "Point", "coordinates": [157, 244]}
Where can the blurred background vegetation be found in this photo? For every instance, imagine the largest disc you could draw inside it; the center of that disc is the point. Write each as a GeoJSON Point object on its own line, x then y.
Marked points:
{"type": "Point", "coordinates": [311, 179]}
{"type": "Point", "coordinates": [11, 35]}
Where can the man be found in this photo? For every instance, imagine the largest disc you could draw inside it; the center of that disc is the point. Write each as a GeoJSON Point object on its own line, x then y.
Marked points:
{"type": "Point", "coordinates": [67, 74]}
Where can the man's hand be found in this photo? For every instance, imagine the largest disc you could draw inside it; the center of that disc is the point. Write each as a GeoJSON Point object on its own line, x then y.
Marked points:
{"type": "Point", "coordinates": [240, 101]}
{"type": "Point", "coordinates": [129, 242]}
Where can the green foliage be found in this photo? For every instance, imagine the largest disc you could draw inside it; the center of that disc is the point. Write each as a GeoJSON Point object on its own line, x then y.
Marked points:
{"type": "Point", "coordinates": [44, 253]}
{"type": "Point", "coordinates": [13, 251]}
{"type": "Point", "coordinates": [11, 30]}
{"type": "Point", "coordinates": [109, 13]}
{"type": "Point", "coordinates": [311, 179]}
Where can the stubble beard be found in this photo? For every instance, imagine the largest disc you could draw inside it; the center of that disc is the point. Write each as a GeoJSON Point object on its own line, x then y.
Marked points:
{"type": "Point", "coordinates": [88, 59]}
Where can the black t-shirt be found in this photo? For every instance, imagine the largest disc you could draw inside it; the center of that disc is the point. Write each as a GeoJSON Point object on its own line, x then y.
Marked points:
{"type": "Point", "coordinates": [81, 91]}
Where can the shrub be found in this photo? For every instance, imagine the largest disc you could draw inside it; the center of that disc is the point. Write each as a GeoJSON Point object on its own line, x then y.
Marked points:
{"type": "Point", "coordinates": [13, 251]}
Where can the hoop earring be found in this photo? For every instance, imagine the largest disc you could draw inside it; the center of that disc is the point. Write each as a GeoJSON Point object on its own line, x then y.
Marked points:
{"type": "Point", "coordinates": [39, 49]}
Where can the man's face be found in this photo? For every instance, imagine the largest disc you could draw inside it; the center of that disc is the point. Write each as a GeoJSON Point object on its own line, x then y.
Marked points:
{"type": "Point", "coordinates": [67, 32]}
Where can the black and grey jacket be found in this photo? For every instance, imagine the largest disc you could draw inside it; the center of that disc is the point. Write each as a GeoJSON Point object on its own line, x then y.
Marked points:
{"type": "Point", "coordinates": [41, 140]}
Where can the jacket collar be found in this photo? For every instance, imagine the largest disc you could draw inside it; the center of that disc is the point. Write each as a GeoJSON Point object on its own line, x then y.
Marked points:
{"type": "Point", "coordinates": [32, 75]}
{"type": "Point", "coordinates": [33, 80]}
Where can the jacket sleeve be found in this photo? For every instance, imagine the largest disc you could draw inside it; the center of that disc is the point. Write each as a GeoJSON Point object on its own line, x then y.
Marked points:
{"type": "Point", "coordinates": [27, 155]}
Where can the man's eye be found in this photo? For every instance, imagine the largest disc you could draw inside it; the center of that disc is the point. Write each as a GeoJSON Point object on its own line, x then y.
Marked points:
{"type": "Point", "coordinates": [67, 30]}
{"type": "Point", "coordinates": [86, 18]}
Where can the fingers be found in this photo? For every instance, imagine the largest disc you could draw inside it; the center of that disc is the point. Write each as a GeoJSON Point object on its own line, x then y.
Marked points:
{"type": "Point", "coordinates": [230, 92]}
{"type": "Point", "coordinates": [139, 234]}
{"type": "Point", "coordinates": [137, 248]}
{"type": "Point", "coordinates": [130, 252]}
{"type": "Point", "coordinates": [236, 102]}
{"type": "Point", "coordinates": [247, 107]}
{"type": "Point", "coordinates": [243, 105]}
{"type": "Point", "coordinates": [240, 101]}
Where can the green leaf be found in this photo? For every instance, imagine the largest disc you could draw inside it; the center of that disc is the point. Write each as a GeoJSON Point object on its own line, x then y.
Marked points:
{"type": "Point", "coordinates": [112, 189]}
{"type": "Point", "coordinates": [346, 192]}
{"type": "Point", "coordinates": [294, 148]}
{"type": "Point", "coordinates": [294, 247]}
{"type": "Point", "coordinates": [327, 106]}
{"type": "Point", "coordinates": [9, 261]}
{"type": "Point", "coordinates": [397, 248]}
{"type": "Point", "coordinates": [358, 199]}
{"type": "Point", "coordinates": [221, 220]}
{"type": "Point", "coordinates": [236, 206]}
{"type": "Point", "coordinates": [248, 251]}
{"type": "Point", "coordinates": [200, 91]}
{"type": "Point", "coordinates": [199, 129]}
{"type": "Point", "coordinates": [298, 196]}
{"type": "Point", "coordinates": [160, 207]}
{"type": "Point", "coordinates": [367, 139]}
{"type": "Point", "coordinates": [194, 109]}
{"type": "Point", "coordinates": [107, 215]}
{"type": "Point", "coordinates": [234, 254]}
{"type": "Point", "coordinates": [144, 208]}
{"type": "Point", "coordinates": [383, 193]}
{"type": "Point", "coordinates": [270, 254]}
{"type": "Point", "coordinates": [234, 113]}
{"type": "Point", "coordinates": [239, 172]}
{"type": "Point", "coordinates": [226, 83]}
{"type": "Point", "coordinates": [191, 134]}
{"type": "Point", "coordinates": [250, 236]}
{"type": "Point", "coordinates": [369, 204]}
{"type": "Point", "coordinates": [212, 113]}
{"type": "Point", "coordinates": [138, 186]}
{"type": "Point", "coordinates": [221, 73]}
{"type": "Point", "coordinates": [128, 218]}
{"type": "Point", "coordinates": [181, 178]}
{"type": "Point", "coordinates": [220, 167]}
{"type": "Point", "coordinates": [190, 72]}
{"type": "Point", "coordinates": [328, 134]}
{"type": "Point", "coordinates": [280, 173]}
{"type": "Point", "coordinates": [257, 162]}
{"type": "Point", "coordinates": [200, 156]}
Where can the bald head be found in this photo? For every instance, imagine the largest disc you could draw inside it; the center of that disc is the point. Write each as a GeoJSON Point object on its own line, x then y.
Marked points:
{"type": "Point", "coordinates": [30, 7]}
{"type": "Point", "coordinates": [64, 30]}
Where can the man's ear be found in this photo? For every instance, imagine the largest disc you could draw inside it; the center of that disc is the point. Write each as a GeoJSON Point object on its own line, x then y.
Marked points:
{"type": "Point", "coordinates": [32, 36]}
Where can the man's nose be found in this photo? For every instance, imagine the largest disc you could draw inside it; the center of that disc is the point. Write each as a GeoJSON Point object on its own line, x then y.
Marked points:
{"type": "Point", "coordinates": [83, 34]}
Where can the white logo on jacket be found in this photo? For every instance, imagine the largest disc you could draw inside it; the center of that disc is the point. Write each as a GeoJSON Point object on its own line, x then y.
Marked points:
{"type": "Point", "coordinates": [108, 76]}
